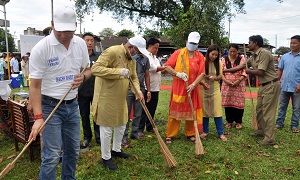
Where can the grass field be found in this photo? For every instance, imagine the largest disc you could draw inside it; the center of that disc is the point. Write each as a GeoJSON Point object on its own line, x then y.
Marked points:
{"type": "Point", "coordinates": [238, 158]}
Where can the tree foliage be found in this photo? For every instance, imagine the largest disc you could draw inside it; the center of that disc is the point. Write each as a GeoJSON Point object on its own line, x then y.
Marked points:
{"type": "Point", "coordinates": [152, 33]}
{"type": "Point", "coordinates": [107, 32]}
{"type": "Point", "coordinates": [125, 33]}
{"type": "Point", "coordinates": [177, 18]}
{"type": "Point", "coordinates": [11, 42]}
{"type": "Point", "coordinates": [266, 41]}
{"type": "Point", "coordinates": [282, 50]}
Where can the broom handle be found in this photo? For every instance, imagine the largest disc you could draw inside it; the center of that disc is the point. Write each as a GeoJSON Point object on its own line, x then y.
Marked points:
{"type": "Point", "coordinates": [11, 165]}
{"type": "Point", "coordinates": [254, 122]}
{"type": "Point", "coordinates": [190, 99]}
{"type": "Point", "coordinates": [141, 101]}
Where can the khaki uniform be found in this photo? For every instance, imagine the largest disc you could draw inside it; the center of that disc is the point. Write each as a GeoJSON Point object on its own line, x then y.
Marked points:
{"type": "Point", "coordinates": [109, 107]}
{"type": "Point", "coordinates": [268, 93]}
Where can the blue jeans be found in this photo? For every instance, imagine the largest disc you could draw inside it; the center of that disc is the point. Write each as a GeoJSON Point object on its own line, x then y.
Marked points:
{"type": "Point", "coordinates": [62, 132]}
{"type": "Point", "coordinates": [218, 122]}
{"type": "Point", "coordinates": [284, 99]}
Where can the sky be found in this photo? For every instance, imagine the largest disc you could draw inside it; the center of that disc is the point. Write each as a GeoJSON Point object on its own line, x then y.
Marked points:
{"type": "Point", "coordinates": [277, 22]}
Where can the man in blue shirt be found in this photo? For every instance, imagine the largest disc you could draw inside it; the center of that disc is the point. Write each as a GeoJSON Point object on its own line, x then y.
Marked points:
{"type": "Point", "coordinates": [289, 69]}
{"type": "Point", "coordinates": [14, 65]}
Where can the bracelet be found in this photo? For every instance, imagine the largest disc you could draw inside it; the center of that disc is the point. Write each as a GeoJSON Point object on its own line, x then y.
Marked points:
{"type": "Point", "coordinates": [148, 92]}
{"type": "Point", "coordinates": [38, 116]}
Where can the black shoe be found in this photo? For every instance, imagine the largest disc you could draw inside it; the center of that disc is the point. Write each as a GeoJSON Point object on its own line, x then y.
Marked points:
{"type": "Point", "coordinates": [266, 143]}
{"type": "Point", "coordinates": [255, 134]}
{"type": "Point", "coordinates": [98, 141]}
{"type": "Point", "coordinates": [85, 144]}
{"type": "Point", "coordinates": [115, 154]}
{"type": "Point", "coordinates": [125, 142]}
{"type": "Point", "coordinates": [110, 164]}
{"type": "Point", "coordinates": [137, 137]}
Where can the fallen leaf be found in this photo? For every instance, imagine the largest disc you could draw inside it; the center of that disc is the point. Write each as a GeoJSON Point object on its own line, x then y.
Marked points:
{"type": "Point", "coordinates": [214, 165]}
{"type": "Point", "coordinates": [208, 163]}
{"type": "Point", "coordinates": [126, 146]}
{"type": "Point", "coordinates": [249, 146]}
{"type": "Point", "coordinates": [267, 155]}
{"type": "Point", "coordinates": [244, 167]}
{"type": "Point", "coordinates": [298, 153]}
{"type": "Point", "coordinates": [134, 177]}
{"type": "Point", "coordinates": [207, 172]}
{"type": "Point", "coordinates": [236, 173]}
{"type": "Point", "coordinates": [275, 146]}
{"type": "Point", "coordinates": [136, 157]}
{"type": "Point", "coordinates": [13, 148]}
{"type": "Point", "coordinates": [229, 149]}
{"type": "Point", "coordinates": [149, 136]}
{"type": "Point", "coordinates": [1, 160]}
{"type": "Point", "coordinates": [288, 168]}
{"type": "Point", "coordinates": [9, 157]}
{"type": "Point", "coordinates": [90, 154]}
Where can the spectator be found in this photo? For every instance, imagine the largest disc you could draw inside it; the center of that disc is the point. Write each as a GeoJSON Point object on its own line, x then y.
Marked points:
{"type": "Point", "coordinates": [85, 96]}
{"type": "Point", "coordinates": [25, 69]}
{"type": "Point", "coordinates": [233, 88]}
{"type": "Point", "coordinates": [14, 64]}
{"type": "Point", "coordinates": [289, 70]}
{"type": "Point", "coordinates": [155, 81]}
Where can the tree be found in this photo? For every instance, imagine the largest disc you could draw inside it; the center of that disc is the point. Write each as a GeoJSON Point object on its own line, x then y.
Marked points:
{"type": "Point", "coordinates": [266, 41]}
{"type": "Point", "coordinates": [107, 32]}
{"type": "Point", "coordinates": [11, 42]}
{"type": "Point", "coordinates": [125, 33]}
{"type": "Point", "coordinates": [176, 17]}
{"type": "Point", "coordinates": [152, 33]}
{"type": "Point", "coordinates": [282, 50]}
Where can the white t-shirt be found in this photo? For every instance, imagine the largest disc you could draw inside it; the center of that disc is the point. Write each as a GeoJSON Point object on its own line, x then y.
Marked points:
{"type": "Point", "coordinates": [58, 66]}
{"type": "Point", "coordinates": [155, 77]}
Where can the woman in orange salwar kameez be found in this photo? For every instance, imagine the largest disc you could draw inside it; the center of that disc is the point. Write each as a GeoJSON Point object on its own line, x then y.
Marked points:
{"type": "Point", "coordinates": [179, 103]}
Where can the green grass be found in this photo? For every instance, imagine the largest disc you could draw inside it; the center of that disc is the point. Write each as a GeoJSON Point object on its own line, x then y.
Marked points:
{"type": "Point", "coordinates": [238, 158]}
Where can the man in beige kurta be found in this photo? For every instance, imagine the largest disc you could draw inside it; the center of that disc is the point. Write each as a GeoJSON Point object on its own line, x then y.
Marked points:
{"type": "Point", "coordinates": [109, 107]}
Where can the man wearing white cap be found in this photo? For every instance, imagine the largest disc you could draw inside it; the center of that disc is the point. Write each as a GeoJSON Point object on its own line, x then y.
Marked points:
{"type": "Point", "coordinates": [186, 64]}
{"type": "Point", "coordinates": [55, 64]}
{"type": "Point", "coordinates": [109, 107]}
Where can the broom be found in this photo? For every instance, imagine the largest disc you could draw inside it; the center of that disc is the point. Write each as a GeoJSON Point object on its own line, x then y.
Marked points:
{"type": "Point", "coordinates": [254, 120]}
{"type": "Point", "coordinates": [168, 157]}
{"type": "Point", "coordinates": [11, 165]}
{"type": "Point", "coordinates": [199, 150]}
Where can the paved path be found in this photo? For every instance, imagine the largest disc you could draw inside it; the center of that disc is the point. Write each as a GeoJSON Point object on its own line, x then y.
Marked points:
{"type": "Point", "coordinates": [247, 94]}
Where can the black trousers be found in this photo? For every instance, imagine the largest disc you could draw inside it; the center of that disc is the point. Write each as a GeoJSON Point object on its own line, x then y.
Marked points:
{"type": "Point", "coordinates": [151, 105]}
{"type": "Point", "coordinates": [84, 103]}
{"type": "Point", "coordinates": [234, 114]}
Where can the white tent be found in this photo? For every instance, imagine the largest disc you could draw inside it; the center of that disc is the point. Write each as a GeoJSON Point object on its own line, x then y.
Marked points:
{"type": "Point", "coordinates": [27, 42]}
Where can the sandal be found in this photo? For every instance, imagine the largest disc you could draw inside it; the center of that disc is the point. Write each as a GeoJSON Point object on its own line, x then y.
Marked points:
{"type": "Point", "coordinates": [191, 138]}
{"type": "Point", "coordinates": [203, 135]}
{"type": "Point", "coordinates": [168, 140]}
{"type": "Point", "coordinates": [223, 137]}
{"type": "Point", "coordinates": [238, 126]}
{"type": "Point", "coordinates": [295, 130]}
{"type": "Point", "coordinates": [228, 125]}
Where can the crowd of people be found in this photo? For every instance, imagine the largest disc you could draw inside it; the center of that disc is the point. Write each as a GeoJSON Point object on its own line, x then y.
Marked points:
{"type": "Point", "coordinates": [56, 62]}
